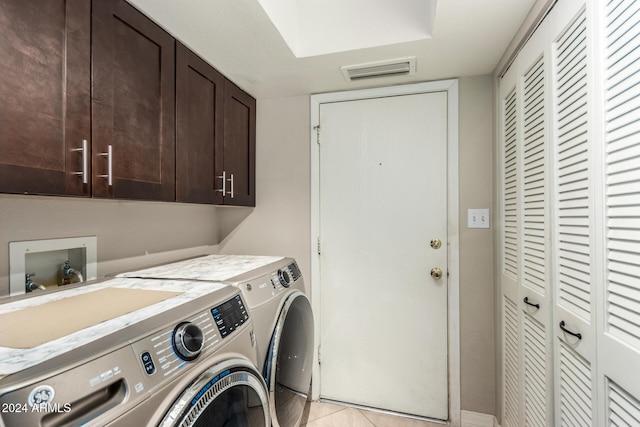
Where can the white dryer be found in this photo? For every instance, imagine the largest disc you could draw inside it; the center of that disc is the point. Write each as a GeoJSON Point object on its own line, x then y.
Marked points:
{"type": "Point", "coordinates": [273, 288]}
{"type": "Point", "coordinates": [130, 352]}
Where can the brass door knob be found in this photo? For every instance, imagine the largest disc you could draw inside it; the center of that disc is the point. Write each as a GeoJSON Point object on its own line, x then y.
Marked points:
{"type": "Point", "coordinates": [436, 273]}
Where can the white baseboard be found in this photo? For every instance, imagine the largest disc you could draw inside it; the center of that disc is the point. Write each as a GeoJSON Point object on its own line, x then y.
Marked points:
{"type": "Point", "coordinates": [476, 419]}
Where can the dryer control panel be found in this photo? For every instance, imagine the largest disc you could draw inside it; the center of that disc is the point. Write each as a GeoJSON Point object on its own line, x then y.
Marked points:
{"type": "Point", "coordinates": [286, 276]}
{"type": "Point", "coordinates": [259, 289]}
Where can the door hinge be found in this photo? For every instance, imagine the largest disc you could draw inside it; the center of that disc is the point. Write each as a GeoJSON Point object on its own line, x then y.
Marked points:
{"type": "Point", "coordinates": [317, 129]}
{"type": "Point", "coordinates": [319, 358]}
{"type": "Point", "coordinates": [318, 244]}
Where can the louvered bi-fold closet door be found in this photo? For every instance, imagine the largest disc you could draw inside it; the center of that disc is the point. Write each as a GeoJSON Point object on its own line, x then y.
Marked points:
{"type": "Point", "coordinates": [527, 351]}
{"type": "Point", "coordinates": [574, 218]}
{"type": "Point", "coordinates": [570, 206]}
{"type": "Point", "coordinates": [526, 300]}
{"type": "Point", "coordinates": [509, 251]}
{"type": "Point", "coordinates": [535, 293]}
{"type": "Point", "coordinates": [619, 328]}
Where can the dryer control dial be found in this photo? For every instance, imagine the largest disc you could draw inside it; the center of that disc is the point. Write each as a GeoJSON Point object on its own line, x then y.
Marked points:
{"type": "Point", "coordinates": [284, 277]}
{"type": "Point", "coordinates": [188, 341]}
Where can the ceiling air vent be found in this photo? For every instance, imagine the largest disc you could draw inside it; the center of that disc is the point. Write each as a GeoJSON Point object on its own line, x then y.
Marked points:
{"type": "Point", "coordinates": [391, 67]}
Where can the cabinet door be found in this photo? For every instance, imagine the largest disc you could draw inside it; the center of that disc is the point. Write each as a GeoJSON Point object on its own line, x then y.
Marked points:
{"type": "Point", "coordinates": [44, 87]}
{"type": "Point", "coordinates": [133, 104]}
{"type": "Point", "coordinates": [199, 126]}
{"type": "Point", "coordinates": [238, 164]}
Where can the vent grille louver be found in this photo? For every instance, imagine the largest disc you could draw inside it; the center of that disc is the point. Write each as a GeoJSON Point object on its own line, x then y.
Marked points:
{"type": "Point", "coordinates": [622, 125]}
{"type": "Point", "coordinates": [510, 188]}
{"type": "Point", "coordinates": [573, 171]}
{"type": "Point", "coordinates": [534, 181]}
{"type": "Point", "coordinates": [535, 376]}
{"type": "Point", "coordinates": [575, 385]}
{"type": "Point", "coordinates": [624, 409]}
{"type": "Point", "coordinates": [511, 364]}
{"type": "Point", "coordinates": [393, 67]}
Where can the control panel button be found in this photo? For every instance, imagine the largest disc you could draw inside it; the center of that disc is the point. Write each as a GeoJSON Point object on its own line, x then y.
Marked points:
{"type": "Point", "coordinates": [147, 362]}
{"type": "Point", "coordinates": [295, 271]}
{"type": "Point", "coordinates": [230, 316]}
{"type": "Point", "coordinates": [188, 341]}
{"type": "Point", "coordinates": [285, 279]}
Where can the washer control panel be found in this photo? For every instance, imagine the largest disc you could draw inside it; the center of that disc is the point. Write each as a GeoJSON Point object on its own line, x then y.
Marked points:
{"type": "Point", "coordinates": [230, 315]}
{"type": "Point", "coordinates": [164, 353]}
{"type": "Point", "coordinates": [168, 350]}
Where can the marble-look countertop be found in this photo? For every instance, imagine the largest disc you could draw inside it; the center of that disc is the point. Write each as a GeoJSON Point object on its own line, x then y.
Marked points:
{"type": "Point", "coordinates": [13, 360]}
{"type": "Point", "coordinates": [215, 268]}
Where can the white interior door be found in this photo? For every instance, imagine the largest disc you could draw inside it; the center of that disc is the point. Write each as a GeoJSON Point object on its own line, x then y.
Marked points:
{"type": "Point", "coordinates": [383, 199]}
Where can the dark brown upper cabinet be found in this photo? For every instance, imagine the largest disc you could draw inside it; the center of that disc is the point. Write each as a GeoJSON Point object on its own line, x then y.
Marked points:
{"type": "Point", "coordinates": [215, 135]}
{"type": "Point", "coordinates": [44, 97]}
{"type": "Point", "coordinates": [199, 126]}
{"type": "Point", "coordinates": [237, 164]}
{"type": "Point", "coordinates": [133, 105]}
{"type": "Point", "coordinates": [97, 100]}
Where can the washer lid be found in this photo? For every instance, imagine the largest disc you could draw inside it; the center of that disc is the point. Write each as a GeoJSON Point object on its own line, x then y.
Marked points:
{"type": "Point", "coordinates": [81, 325]}
{"type": "Point", "coordinates": [215, 268]}
{"type": "Point", "coordinates": [40, 324]}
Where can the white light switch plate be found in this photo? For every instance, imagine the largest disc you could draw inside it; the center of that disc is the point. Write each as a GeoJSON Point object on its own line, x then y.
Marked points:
{"type": "Point", "coordinates": [478, 218]}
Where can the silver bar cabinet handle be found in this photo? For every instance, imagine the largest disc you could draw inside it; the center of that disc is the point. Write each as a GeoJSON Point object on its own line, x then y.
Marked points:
{"type": "Point", "coordinates": [231, 181]}
{"type": "Point", "coordinates": [223, 177]}
{"type": "Point", "coordinates": [85, 162]}
{"type": "Point", "coordinates": [109, 156]}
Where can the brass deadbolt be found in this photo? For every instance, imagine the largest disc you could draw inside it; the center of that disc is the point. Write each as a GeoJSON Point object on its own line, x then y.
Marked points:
{"type": "Point", "coordinates": [436, 244]}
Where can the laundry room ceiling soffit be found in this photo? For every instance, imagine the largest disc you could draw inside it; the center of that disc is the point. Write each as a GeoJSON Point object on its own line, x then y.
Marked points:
{"type": "Point", "coordinates": [320, 27]}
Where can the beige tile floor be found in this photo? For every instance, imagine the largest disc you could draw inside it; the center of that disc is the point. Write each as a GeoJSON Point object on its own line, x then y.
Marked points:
{"type": "Point", "coordinates": [320, 414]}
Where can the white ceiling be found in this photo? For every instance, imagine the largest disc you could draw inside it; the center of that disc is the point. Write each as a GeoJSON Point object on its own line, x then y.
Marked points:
{"type": "Point", "coordinates": [238, 38]}
{"type": "Point", "coordinates": [303, 24]}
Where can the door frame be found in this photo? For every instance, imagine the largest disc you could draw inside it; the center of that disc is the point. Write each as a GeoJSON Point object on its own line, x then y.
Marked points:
{"type": "Point", "coordinates": [451, 88]}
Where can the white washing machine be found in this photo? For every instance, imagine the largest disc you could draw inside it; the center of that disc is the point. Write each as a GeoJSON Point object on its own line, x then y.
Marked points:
{"type": "Point", "coordinates": [273, 288]}
{"type": "Point", "coordinates": [130, 352]}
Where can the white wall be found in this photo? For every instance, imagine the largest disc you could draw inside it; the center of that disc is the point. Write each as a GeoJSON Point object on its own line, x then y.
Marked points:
{"type": "Point", "coordinates": [280, 223]}
{"type": "Point", "coordinates": [138, 233]}
{"type": "Point", "coordinates": [477, 346]}
{"type": "Point", "coordinates": [129, 233]}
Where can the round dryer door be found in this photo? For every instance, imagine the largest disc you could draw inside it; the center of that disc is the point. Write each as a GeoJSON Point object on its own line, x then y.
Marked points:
{"type": "Point", "coordinates": [229, 394]}
{"type": "Point", "coordinates": [290, 361]}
